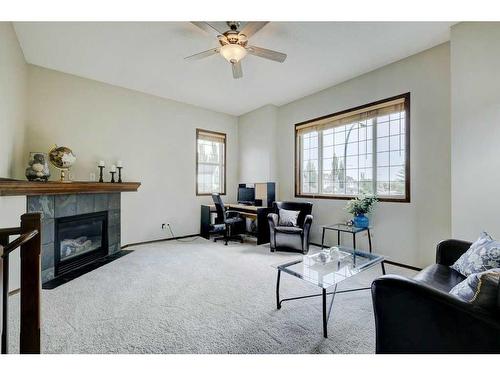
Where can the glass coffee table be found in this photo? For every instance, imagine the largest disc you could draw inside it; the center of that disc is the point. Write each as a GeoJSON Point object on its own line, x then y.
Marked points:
{"type": "Point", "coordinates": [326, 269]}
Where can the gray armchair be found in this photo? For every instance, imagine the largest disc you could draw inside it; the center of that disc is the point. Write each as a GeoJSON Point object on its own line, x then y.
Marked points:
{"type": "Point", "coordinates": [291, 238]}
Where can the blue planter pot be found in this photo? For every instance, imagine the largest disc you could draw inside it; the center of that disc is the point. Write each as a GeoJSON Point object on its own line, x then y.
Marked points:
{"type": "Point", "coordinates": [360, 221]}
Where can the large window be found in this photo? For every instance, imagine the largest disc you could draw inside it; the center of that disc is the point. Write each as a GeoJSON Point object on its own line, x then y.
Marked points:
{"type": "Point", "coordinates": [210, 162]}
{"type": "Point", "coordinates": [364, 150]}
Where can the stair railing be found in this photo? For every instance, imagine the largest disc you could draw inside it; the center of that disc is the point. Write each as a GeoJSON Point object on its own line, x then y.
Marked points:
{"type": "Point", "coordinates": [30, 242]}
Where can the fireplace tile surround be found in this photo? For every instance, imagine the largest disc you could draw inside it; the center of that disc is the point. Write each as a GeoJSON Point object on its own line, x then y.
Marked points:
{"type": "Point", "coordinates": [58, 206]}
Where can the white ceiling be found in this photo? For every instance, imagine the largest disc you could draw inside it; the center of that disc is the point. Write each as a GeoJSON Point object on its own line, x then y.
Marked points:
{"type": "Point", "coordinates": [148, 57]}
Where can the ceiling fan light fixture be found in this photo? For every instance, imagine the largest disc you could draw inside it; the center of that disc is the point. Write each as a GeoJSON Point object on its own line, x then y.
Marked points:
{"type": "Point", "coordinates": [234, 45]}
{"type": "Point", "coordinates": [233, 52]}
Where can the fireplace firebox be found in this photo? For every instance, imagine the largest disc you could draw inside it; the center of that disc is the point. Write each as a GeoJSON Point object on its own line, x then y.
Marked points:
{"type": "Point", "coordinates": [79, 240]}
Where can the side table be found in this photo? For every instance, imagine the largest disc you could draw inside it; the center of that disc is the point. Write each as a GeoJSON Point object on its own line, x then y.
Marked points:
{"type": "Point", "coordinates": [339, 228]}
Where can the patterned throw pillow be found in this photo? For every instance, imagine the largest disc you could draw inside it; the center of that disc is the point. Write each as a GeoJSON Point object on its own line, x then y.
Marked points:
{"type": "Point", "coordinates": [480, 289]}
{"type": "Point", "coordinates": [288, 218]}
{"type": "Point", "coordinates": [484, 254]}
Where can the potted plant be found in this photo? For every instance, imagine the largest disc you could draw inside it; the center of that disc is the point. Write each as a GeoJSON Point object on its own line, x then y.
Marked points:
{"type": "Point", "coordinates": [360, 206]}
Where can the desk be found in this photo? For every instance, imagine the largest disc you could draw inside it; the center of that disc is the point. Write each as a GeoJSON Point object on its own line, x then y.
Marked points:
{"type": "Point", "coordinates": [252, 212]}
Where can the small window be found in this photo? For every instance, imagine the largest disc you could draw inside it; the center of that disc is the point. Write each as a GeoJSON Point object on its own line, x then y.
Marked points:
{"type": "Point", "coordinates": [364, 150]}
{"type": "Point", "coordinates": [210, 162]}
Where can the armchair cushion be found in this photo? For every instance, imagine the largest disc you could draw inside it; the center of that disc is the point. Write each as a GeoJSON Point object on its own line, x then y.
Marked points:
{"type": "Point", "coordinates": [305, 209]}
{"type": "Point", "coordinates": [286, 229]}
{"type": "Point", "coordinates": [480, 289]}
{"type": "Point", "coordinates": [484, 254]}
{"type": "Point", "coordinates": [288, 218]}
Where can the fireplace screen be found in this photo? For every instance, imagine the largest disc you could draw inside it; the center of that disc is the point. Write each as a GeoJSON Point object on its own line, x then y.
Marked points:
{"type": "Point", "coordinates": [76, 239]}
{"type": "Point", "coordinates": [80, 238]}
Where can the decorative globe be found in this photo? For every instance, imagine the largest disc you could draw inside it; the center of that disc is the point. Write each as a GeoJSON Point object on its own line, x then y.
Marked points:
{"type": "Point", "coordinates": [62, 158]}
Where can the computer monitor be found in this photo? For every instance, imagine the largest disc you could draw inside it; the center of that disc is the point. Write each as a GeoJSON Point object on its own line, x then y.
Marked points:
{"type": "Point", "coordinates": [246, 195]}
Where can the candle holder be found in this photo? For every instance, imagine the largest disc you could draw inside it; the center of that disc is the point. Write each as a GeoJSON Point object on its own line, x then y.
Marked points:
{"type": "Point", "coordinates": [101, 167]}
{"type": "Point", "coordinates": [112, 177]}
{"type": "Point", "coordinates": [119, 174]}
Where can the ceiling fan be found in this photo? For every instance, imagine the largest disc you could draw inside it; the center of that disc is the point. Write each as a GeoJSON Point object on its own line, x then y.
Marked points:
{"type": "Point", "coordinates": [234, 44]}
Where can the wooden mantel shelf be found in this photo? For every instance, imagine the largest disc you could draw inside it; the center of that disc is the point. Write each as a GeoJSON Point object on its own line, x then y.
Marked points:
{"type": "Point", "coordinates": [19, 187]}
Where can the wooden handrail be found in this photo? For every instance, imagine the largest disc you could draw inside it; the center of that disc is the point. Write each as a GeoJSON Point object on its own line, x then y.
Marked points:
{"type": "Point", "coordinates": [30, 243]}
{"type": "Point", "coordinates": [5, 233]}
{"type": "Point", "coordinates": [19, 241]}
{"type": "Point", "coordinates": [10, 231]}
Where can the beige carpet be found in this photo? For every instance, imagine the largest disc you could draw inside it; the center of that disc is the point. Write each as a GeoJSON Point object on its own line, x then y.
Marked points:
{"type": "Point", "coordinates": [199, 297]}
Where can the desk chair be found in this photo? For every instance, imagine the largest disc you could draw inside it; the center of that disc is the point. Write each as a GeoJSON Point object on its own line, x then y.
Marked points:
{"type": "Point", "coordinates": [229, 218]}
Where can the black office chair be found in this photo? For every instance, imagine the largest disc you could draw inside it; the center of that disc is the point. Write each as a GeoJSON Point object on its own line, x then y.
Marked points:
{"type": "Point", "coordinates": [230, 219]}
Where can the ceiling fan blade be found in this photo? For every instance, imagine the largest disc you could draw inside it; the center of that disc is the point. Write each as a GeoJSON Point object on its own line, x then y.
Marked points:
{"type": "Point", "coordinates": [205, 26]}
{"type": "Point", "coordinates": [267, 53]}
{"type": "Point", "coordinates": [203, 54]}
{"type": "Point", "coordinates": [237, 71]}
{"type": "Point", "coordinates": [252, 27]}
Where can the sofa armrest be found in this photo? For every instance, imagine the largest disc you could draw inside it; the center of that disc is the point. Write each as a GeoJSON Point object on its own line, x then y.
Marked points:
{"type": "Point", "coordinates": [448, 251]}
{"type": "Point", "coordinates": [273, 220]}
{"type": "Point", "coordinates": [411, 317]}
{"type": "Point", "coordinates": [273, 223]}
{"type": "Point", "coordinates": [306, 230]}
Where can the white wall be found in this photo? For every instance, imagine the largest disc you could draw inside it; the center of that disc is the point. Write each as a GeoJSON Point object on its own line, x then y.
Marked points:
{"type": "Point", "coordinates": [258, 145]}
{"type": "Point", "coordinates": [12, 102]}
{"type": "Point", "coordinates": [12, 117]}
{"type": "Point", "coordinates": [13, 85]}
{"type": "Point", "coordinates": [154, 137]}
{"type": "Point", "coordinates": [404, 232]}
{"type": "Point", "coordinates": [475, 147]}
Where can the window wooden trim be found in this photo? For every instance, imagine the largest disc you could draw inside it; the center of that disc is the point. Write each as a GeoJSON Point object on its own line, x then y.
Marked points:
{"type": "Point", "coordinates": [406, 199]}
{"type": "Point", "coordinates": [223, 135]}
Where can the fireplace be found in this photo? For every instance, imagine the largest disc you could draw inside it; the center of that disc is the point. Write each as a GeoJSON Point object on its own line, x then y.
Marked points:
{"type": "Point", "coordinates": [64, 210]}
{"type": "Point", "coordinates": [79, 240]}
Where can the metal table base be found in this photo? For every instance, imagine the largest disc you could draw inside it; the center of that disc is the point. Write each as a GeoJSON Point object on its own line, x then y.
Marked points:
{"type": "Point", "coordinates": [323, 294]}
